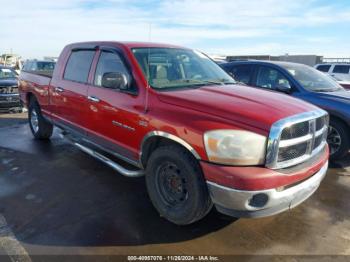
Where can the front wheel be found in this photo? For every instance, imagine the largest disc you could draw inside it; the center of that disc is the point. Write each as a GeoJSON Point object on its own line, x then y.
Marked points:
{"type": "Point", "coordinates": [176, 185]}
{"type": "Point", "coordinates": [41, 129]}
{"type": "Point", "coordinates": [338, 139]}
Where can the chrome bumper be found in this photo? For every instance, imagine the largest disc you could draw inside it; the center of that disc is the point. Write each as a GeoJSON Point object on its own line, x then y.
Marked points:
{"type": "Point", "coordinates": [239, 203]}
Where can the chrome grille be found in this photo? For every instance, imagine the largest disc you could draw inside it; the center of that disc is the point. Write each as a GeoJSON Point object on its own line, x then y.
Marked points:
{"type": "Point", "coordinates": [296, 139]}
{"type": "Point", "coordinates": [297, 130]}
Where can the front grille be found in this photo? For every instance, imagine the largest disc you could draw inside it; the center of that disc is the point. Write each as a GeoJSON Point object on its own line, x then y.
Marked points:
{"type": "Point", "coordinates": [296, 139]}
{"type": "Point", "coordinates": [8, 90]}
{"type": "Point", "coordinates": [297, 130]}
{"type": "Point", "coordinates": [292, 152]}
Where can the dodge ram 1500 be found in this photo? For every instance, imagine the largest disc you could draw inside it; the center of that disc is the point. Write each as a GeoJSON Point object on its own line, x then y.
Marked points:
{"type": "Point", "coordinates": [173, 115]}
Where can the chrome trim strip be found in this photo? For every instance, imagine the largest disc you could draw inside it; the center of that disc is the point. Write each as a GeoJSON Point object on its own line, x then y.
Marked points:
{"type": "Point", "coordinates": [110, 163]}
{"type": "Point", "coordinates": [295, 141]}
{"type": "Point", "coordinates": [273, 143]}
{"type": "Point", "coordinates": [321, 131]}
{"type": "Point", "coordinates": [171, 137]}
{"type": "Point", "coordinates": [115, 154]}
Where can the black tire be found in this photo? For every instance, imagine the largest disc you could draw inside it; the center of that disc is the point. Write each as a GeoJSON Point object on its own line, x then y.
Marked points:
{"type": "Point", "coordinates": [190, 201]}
{"type": "Point", "coordinates": [42, 129]}
{"type": "Point", "coordinates": [338, 130]}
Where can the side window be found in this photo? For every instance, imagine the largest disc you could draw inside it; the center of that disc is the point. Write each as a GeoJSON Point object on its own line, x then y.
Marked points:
{"type": "Point", "coordinates": [242, 73]}
{"type": "Point", "coordinates": [78, 66]}
{"type": "Point", "coordinates": [270, 78]}
{"type": "Point", "coordinates": [109, 63]}
{"type": "Point", "coordinates": [323, 68]}
{"type": "Point", "coordinates": [341, 69]}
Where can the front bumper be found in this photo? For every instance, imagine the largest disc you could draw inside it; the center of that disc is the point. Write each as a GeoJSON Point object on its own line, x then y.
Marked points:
{"type": "Point", "coordinates": [260, 203]}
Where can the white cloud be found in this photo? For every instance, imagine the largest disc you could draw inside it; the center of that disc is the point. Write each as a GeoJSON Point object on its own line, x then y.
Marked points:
{"type": "Point", "coordinates": [43, 27]}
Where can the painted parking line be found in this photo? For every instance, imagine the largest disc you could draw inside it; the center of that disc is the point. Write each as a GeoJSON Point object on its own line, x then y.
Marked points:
{"type": "Point", "coordinates": [10, 244]}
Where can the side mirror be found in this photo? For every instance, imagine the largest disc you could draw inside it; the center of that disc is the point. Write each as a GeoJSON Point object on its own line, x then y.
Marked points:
{"type": "Point", "coordinates": [115, 80]}
{"type": "Point", "coordinates": [284, 87]}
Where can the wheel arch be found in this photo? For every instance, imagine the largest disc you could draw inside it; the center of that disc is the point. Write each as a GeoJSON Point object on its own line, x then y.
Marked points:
{"type": "Point", "coordinates": [155, 139]}
{"type": "Point", "coordinates": [29, 96]}
{"type": "Point", "coordinates": [340, 119]}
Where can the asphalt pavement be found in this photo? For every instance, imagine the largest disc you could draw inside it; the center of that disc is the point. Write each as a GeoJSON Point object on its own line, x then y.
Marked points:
{"type": "Point", "coordinates": [57, 200]}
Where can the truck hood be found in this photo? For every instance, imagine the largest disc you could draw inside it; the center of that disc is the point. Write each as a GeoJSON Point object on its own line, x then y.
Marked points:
{"type": "Point", "coordinates": [239, 104]}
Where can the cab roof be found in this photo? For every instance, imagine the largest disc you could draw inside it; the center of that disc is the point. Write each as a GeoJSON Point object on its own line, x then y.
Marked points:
{"type": "Point", "coordinates": [125, 44]}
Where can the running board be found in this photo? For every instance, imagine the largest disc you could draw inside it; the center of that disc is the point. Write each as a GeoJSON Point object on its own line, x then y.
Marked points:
{"type": "Point", "coordinates": [109, 162]}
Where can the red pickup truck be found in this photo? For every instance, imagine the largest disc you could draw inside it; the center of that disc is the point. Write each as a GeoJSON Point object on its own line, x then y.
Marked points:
{"type": "Point", "coordinates": [173, 115]}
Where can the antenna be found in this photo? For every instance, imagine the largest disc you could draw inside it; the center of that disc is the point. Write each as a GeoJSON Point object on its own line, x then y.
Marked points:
{"type": "Point", "coordinates": [150, 32]}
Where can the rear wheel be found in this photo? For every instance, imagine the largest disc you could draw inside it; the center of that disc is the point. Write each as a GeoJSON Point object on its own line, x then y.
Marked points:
{"type": "Point", "coordinates": [338, 139]}
{"type": "Point", "coordinates": [176, 185]}
{"type": "Point", "coordinates": [40, 128]}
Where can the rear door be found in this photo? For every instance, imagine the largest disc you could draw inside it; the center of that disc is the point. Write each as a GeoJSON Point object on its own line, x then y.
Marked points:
{"type": "Point", "coordinates": [69, 95]}
{"type": "Point", "coordinates": [341, 72]}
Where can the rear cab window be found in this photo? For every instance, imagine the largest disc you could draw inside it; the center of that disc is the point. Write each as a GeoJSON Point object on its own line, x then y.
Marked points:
{"type": "Point", "coordinates": [78, 66]}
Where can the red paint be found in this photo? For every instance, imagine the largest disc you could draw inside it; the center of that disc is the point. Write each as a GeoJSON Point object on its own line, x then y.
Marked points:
{"type": "Point", "coordinates": [186, 114]}
{"type": "Point", "coordinates": [345, 85]}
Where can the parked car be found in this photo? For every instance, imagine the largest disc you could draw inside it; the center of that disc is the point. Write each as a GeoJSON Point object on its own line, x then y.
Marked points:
{"type": "Point", "coordinates": [39, 67]}
{"type": "Point", "coordinates": [339, 70]}
{"type": "Point", "coordinates": [345, 84]}
{"type": "Point", "coordinates": [9, 97]}
{"type": "Point", "coordinates": [306, 83]}
{"type": "Point", "coordinates": [177, 117]}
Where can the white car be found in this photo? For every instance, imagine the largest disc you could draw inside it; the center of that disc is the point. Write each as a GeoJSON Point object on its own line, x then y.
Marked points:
{"type": "Point", "coordinates": [340, 71]}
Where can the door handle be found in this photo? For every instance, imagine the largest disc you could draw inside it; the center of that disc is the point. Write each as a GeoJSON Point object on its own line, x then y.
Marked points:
{"type": "Point", "coordinates": [93, 99]}
{"type": "Point", "coordinates": [59, 89]}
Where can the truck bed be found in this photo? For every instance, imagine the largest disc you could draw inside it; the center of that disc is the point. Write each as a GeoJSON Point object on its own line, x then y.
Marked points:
{"type": "Point", "coordinates": [36, 84]}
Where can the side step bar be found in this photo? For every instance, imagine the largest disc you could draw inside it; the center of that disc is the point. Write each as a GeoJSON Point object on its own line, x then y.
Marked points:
{"type": "Point", "coordinates": [109, 162]}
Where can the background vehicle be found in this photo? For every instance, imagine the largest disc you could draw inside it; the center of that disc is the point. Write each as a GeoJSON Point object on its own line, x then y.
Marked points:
{"type": "Point", "coordinates": [39, 67]}
{"type": "Point", "coordinates": [9, 97]}
{"type": "Point", "coordinates": [306, 83]}
{"type": "Point", "coordinates": [178, 118]}
{"type": "Point", "coordinates": [345, 84]}
{"type": "Point", "coordinates": [341, 71]}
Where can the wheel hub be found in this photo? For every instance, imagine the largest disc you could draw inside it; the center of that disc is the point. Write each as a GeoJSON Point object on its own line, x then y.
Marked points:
{"type": "Point", "coordinates": [34, 121]}
{"type": "Point", "coordinates": [171, 184]}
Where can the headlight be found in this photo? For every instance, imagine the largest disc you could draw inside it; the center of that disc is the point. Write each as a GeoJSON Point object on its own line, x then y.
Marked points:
{"type": "Point", "coordinates": [235, 147]}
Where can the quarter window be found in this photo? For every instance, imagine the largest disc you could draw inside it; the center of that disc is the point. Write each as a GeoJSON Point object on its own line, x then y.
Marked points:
{"type": "Point", "coordinates": [341, 69]}
{"type": "Point", "coordinates": [109, 63]}
{"type": "Point", "coordinates": [78, 66]}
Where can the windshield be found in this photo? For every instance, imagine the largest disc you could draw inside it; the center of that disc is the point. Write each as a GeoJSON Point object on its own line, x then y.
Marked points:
{"type": "Point", "coordinates": [312, 79]}
{"type": "Point", "coordinates": [171, 68]}
{"type": "Point", "coordinates": [7, 73]}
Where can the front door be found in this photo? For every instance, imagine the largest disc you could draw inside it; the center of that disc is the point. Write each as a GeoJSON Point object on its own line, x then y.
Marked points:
{"type": "Point", "coordinates": [115, 114]}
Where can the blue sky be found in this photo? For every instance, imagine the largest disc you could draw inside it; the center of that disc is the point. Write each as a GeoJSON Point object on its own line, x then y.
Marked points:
{"type": "Point", "coordinates": [42, 27]}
